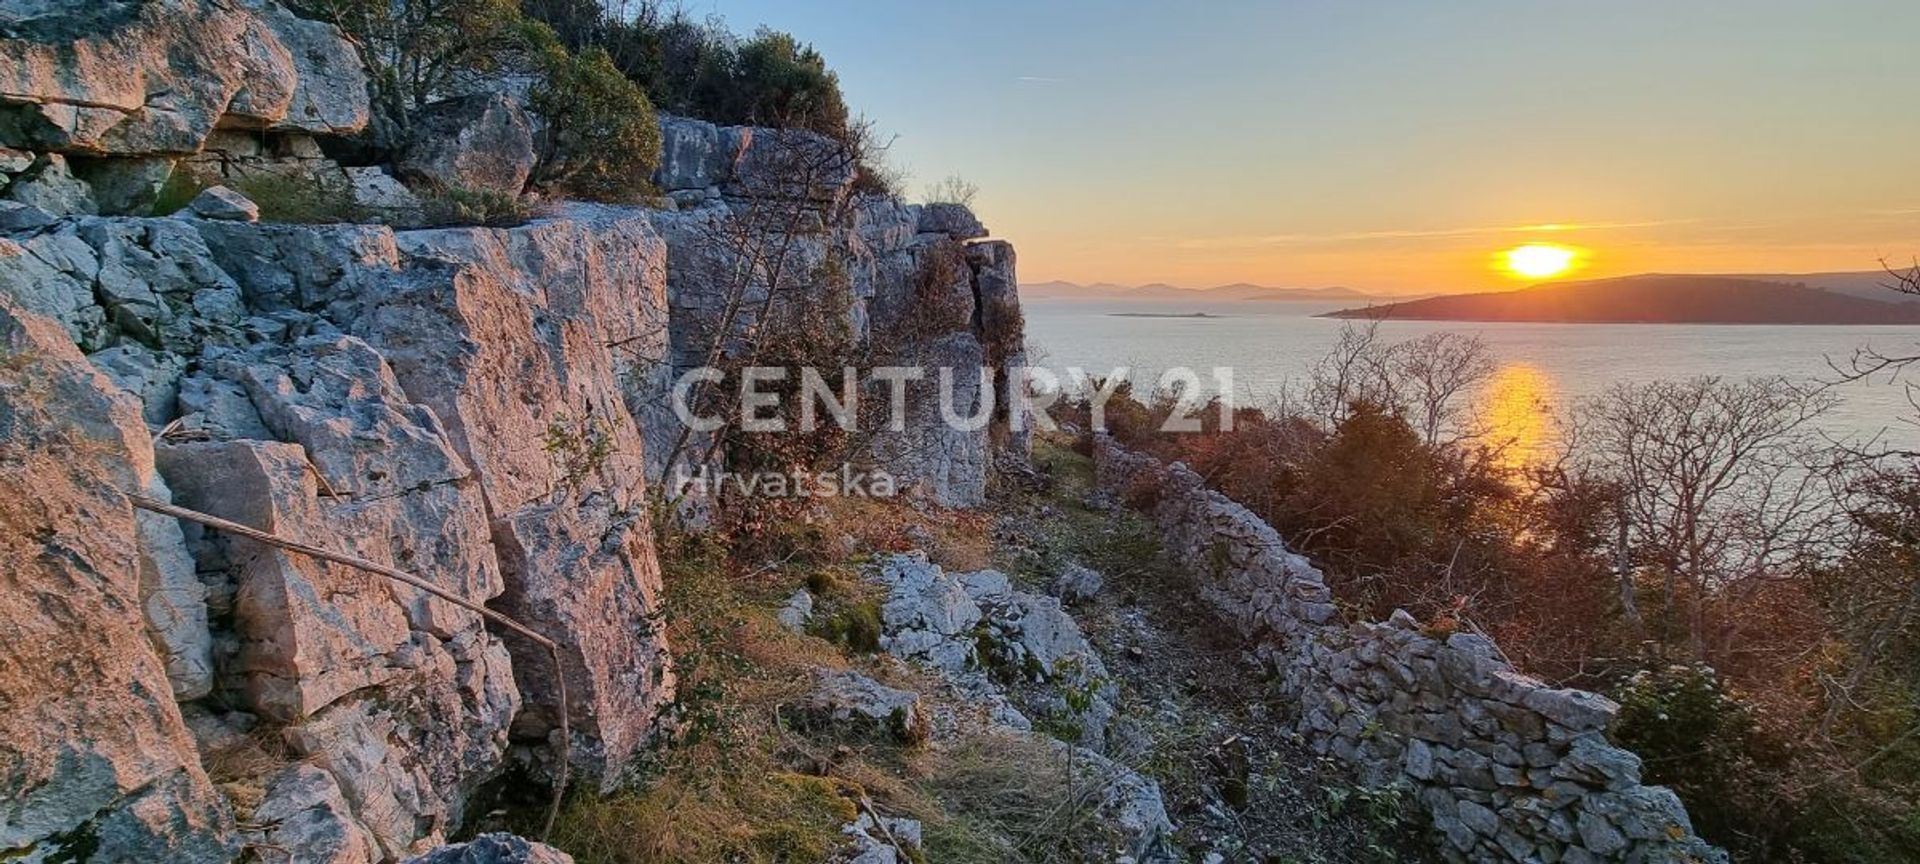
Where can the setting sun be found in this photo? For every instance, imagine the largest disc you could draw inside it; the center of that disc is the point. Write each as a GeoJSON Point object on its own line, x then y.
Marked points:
{"type": "Point", "coordinates": [1539, 260]}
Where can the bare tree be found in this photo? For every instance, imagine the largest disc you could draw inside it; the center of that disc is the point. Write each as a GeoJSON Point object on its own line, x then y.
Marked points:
{"type": "Point", "coordinates": [1353, 370]}
{"type": "Point", "coordinates": [1721, 482]}
{"type": "Point", "coordinates": [1434, 377]}
{"type": "Point", "coordinates": [1429, 382]}
{"type": "Point", "coordinates": [953, 189]}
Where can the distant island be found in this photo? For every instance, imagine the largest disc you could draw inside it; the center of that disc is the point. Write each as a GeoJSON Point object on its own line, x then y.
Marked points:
{"type": "Point", "coordinates": [1655, 299]}
{"type": "Point", "coordinates": [1162, 315]}
{"type": "Point", "coordinates": [1160, 291]}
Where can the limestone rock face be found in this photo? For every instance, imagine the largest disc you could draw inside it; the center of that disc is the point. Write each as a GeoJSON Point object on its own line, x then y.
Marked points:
{"type": "Point", "coordinates": [953, 220]}
{"type": "Point", "coordinates": [511, 344]}
{"type": "Point", "coordinates": [751, 162]}
{"type": "Point", "coordinates": [50, 185]}
{"type": "Point", "coordinates": [694, 156]}
{"type": "Point", "coordinates": [136, 77]}
{"type": "Point", "coordinates": [872, 264]}
{"type": "Point", "coordinates": [481, 142]}
{"type": "Point", "coordinates": [98, 756]}
{"type": "Point", "coordinates": [306, 814]}
{"type": "Point", "coordinates": [389, 395]}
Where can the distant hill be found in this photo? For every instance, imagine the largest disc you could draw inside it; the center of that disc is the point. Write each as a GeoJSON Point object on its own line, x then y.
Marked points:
{"type": "Point", "coordinates": [1870, 284]}
{"type": "Point", "coordinates": [1239, 291]}
{"type": "Point", "coordinates": [1656, 299]}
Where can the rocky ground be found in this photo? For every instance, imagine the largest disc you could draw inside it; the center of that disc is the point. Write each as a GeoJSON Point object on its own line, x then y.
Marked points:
{"type": "Point", "coordinates": [879, 682]}
{"type": "Point", "coordinates": [1197, 714]}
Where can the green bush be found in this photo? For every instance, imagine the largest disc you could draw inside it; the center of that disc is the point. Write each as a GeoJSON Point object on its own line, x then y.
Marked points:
{"type": "Point", "coordinates": [603, 141]}
{"type": "Point", "coordinates": [459, 206]}
{"type": "Point", "coordinates": [702, 70]}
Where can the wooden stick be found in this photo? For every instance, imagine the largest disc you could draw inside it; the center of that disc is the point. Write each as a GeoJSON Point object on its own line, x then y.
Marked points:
{"type": "Point", "coordinates": [562, 751]}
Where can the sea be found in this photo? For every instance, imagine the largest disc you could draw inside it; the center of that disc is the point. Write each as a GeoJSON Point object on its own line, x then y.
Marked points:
{"type": "Point", "coordinates": [1544, 370]}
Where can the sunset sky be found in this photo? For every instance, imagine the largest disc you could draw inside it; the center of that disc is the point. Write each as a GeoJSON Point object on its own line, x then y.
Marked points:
{"type": "Point", "coordinates": [1395, 146]}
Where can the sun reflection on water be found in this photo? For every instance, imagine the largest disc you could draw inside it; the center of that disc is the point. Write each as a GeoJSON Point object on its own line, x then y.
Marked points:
{"type": "Point", "coordinates": [1516, 414]}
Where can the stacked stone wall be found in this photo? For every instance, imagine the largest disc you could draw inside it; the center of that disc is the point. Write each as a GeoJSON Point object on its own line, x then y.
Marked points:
{"type": "Point", "coordinates": [1508, 767]}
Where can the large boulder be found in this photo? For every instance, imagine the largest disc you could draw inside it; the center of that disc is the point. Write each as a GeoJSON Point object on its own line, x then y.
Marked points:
{"type": "Point", "coordinates": [98, 761]}
{"type": "Point", "coordinates": [142, 77]}
{"type": "Point", "coordinates": [752, 162]}
{"type": "Point", "coordinates": [481, 142]}
{"type": "Point", "coordinates": [222, 203]}
{"type": "Point", "coordinates": [954, 220]}
{"type": "Point", "coordinates": [855, 706]}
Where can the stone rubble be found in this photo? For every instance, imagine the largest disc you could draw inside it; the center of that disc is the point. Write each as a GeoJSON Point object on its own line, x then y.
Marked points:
{"type": "Point", "coordinates": [1509, 768]}
{"type": "Point", "coordinates": [1013, 653]}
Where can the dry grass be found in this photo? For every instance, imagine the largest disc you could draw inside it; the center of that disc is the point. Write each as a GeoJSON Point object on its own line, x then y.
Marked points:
{"type": "Point", "coordinates": [1013, 798]}
{"type": "Point", "coordinates": [959, 540]}
{"type": "Point", "coordinates": [737, 784]}
{"type": "Point", "coordinates": [741, 783]}
{"type": "Point", "coordinates": [241, 767]}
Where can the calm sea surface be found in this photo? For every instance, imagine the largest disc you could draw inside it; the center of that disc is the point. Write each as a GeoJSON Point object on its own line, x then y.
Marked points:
{"type": "Point", "coordinates": [1543, 367]}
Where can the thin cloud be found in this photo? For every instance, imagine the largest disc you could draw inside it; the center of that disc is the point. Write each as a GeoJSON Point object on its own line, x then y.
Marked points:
{"type": "Point", "coordinates": [1329, 238]}
{"type": "Point", "coordinates": [1039, 79]}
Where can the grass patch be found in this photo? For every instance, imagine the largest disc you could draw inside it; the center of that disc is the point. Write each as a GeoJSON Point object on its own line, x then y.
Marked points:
{"type": "Point", "coordinates": [737, 784]}
{"type": "Point", "coordinates": [1012, 798]}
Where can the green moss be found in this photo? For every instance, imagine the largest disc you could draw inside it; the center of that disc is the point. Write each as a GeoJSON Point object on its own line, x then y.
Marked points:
{"type": "Point", "coordinates": [301, 200]}
{"type": "Point", "coordinates": [857, 627]}
{"type": "Point", "coordinates": [181, 188]}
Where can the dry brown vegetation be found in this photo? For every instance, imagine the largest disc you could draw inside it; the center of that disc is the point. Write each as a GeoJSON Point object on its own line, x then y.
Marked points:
{"type": "Point", "coordinates": [1696, 549]}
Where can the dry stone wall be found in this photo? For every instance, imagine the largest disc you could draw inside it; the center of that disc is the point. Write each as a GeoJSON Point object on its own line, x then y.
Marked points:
{"type": "Point", "coordinates": [1508, 767]}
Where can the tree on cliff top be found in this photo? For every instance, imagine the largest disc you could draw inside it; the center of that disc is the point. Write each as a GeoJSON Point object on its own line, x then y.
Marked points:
{"type": "Point", "coordinates": [701, 69]}
{"type": "Point", "coordinates": [416, 51]}
{"type": "Point", "coordinates": [601, 139]}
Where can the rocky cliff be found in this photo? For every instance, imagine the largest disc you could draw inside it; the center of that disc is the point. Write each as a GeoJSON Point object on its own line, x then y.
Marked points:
{"type": "Point", "coordinates": [484, 408]}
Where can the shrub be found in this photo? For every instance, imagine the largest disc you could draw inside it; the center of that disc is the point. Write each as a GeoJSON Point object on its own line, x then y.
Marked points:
{"type": "Point", "coordinates": [460, 206]}
{"type": "Point", "coordinates": [952, 190]}
{"type": "Point", "coordinates": [781, 81]}
{"type": "Point", "coordinates": [703, 70]}
{"type": "Point", "coordinates": [602, 141]}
